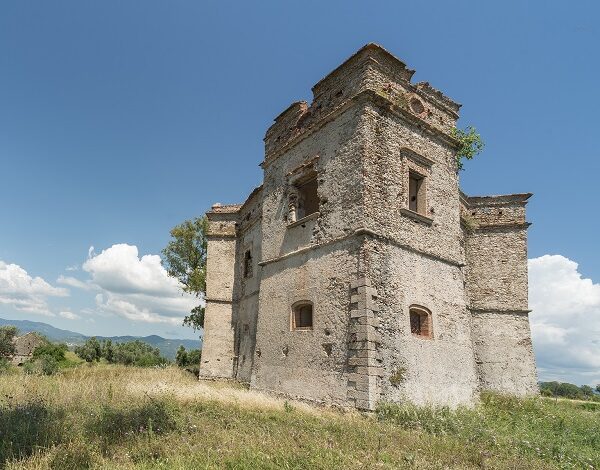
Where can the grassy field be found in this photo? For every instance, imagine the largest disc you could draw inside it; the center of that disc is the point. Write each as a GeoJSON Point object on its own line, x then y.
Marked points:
{"type": "Point", "coordinates": [121, 417]}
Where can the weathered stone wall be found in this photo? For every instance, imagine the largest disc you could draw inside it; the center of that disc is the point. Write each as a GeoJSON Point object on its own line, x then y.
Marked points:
{"type": "Point", "coordinates": [364, 258]}
{"type": "Point", "coordinates": [496, 272]}
{"type": "Point", "coordinates": [438, 370]}
{"type": "Point", "coordinates": [246, 289]}
{"type": "Point", "coordinates": [218, 341]}
{"type": "Point", "coordinates": [312, 363]}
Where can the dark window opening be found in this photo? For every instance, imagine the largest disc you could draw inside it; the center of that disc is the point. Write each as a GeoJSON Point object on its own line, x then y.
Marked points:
{"type": "Point", "coordinates": [420, 322]}
{"type": "Point", "coordinates": [308, 199]}
{"type": "Point", "coordinates": [248, 264]}
{"type": "Point", "coordinates": [302, 316]}
{"type": "Point", "coordinates": [416, 193]}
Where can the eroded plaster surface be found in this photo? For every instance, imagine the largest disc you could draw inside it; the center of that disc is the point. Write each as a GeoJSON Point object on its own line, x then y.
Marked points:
{"type": "Point", "coordinates": [366, 254]}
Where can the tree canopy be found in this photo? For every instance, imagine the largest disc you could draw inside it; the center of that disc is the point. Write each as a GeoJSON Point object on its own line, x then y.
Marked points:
{"type": "Point", "coordinates": [184, 258]}
{"type": "Point", "coordinates": [7, 346]}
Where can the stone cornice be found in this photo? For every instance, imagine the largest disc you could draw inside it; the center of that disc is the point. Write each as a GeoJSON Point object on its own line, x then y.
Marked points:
{"type": "Point", "coordinates": [506, 311]}
{"type": "Point", "coordinates": [360, 232]}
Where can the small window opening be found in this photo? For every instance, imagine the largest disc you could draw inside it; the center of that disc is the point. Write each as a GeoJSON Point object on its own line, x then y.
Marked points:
{"type": "Point", "coordinates": [420, 322]}
{"type": "Point", "coordinates": [302, 316]}
{"type": "Point", "coordinates": [308, 200]}
{"type": "Point", "coordinates": [416, 193]}
{"type": "Point", "coordinates": [248, 264]}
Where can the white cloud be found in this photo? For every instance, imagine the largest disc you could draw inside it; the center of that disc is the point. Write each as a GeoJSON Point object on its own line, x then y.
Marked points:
{"type": "Point", "coordinates": [73, 267]}
{"type": "Point", "coordinates": [69, 315]}
{"type": "Point", "coordinates": [74, 282]}
{"type": "Point", "coordinates": [23, 292]}
{"type": "Point", "coordinates": [565, 321]}
{"type": "Point", "coordinates": [135, 288]}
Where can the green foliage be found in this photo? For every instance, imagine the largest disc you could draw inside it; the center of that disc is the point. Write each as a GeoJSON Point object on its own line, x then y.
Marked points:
{"type": "Point", "coordinates": [470, 142]}
{"type": "Point", "coordinates": [114, 424]}
{"type": "Point", "coordinates": [41, 365]}
{"type": "Point", "coordinates": [181, 357]}
{"type": "Point", "coordinates": [114, 417]}
{"type": "Point", "coordinates": [188, 358]}
{"type": "Point", "coordinates": [90, 351]}
{"type": "Point", "coordinates": [107, 350]}
{"type": "Point", "coordinates": [137, 353]}
{"type": "Point", "coordinates": [5, 366]}
{"type": "Point", "coordinates": [398, 377]}
{"type": "Point", "coordinates": [7, 334]}
{"type": "Point", "coordinates": [56, 351]}
{"type": "Point", "coordinates": [566, 390]}
{"type": "Point", "coordinates": [193, 357]}
{"type": "Point", "coordinates": [184, 258]}
{"type": "Point", "coordinates": [555, 432]}
{"type": "Point", "coordinates": [131, 353]}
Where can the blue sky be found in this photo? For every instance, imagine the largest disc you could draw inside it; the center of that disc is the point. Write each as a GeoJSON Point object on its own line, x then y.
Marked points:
{"type": "Point", "coordinates": [120, 119]}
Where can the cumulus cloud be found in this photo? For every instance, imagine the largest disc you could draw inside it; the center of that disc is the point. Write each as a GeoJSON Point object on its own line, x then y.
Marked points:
{"type": "Point", "coordinates": [69, 315]}
{"type": "Point", "coordinates": [24, 292]}
{"type": "Point", "coordinates": [135, 288]}
{"type": "Point", "coordinates": [565, 321]}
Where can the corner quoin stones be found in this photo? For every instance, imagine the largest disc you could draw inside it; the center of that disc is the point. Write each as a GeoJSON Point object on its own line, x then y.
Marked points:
{"type": "Point", "coordinates": [358, 271]}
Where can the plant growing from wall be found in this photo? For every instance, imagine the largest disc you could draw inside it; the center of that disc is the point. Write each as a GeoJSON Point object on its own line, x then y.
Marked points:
{"type": "Point", "coordinates": [398, 376]}
{"type": "Point", "coordinates": [470, 144]}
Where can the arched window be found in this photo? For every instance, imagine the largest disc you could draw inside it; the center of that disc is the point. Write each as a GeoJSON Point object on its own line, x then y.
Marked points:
{"type": "Point", "coordinates": [302, 315]}
{"type": "Point", "coordinates": [420, 321]}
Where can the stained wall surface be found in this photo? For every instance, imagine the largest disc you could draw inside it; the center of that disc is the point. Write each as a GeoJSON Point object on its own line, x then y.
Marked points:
{"type": "Point", "coordinates": [364, 258]}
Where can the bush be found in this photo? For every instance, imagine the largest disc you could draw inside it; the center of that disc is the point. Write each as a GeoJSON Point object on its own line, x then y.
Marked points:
{"type": "Point", "coordinates": [42, 365]}
{"type": "Point", "coordinates": [56, 351]}
{"type": "Point", "coordinates": [5, 366]}
{"type": "Point", "coordinates": [90, 351]}
{"type": "Point", "coordinates": [112, 424]}
{"type": "Point", "coordinates": [137, 353]}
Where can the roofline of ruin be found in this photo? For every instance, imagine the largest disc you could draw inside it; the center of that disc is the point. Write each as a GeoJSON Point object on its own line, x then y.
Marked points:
{"type": "Point", "coordinates": [363, 96]}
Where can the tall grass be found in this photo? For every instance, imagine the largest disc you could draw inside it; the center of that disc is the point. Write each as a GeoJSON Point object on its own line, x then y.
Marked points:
{"type": "Point", "coordinates": [122, 417]}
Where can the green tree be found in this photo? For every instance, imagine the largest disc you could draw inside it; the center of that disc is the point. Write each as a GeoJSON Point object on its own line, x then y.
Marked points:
{"type": "Point", "coordinates": [107, 350]}
{"type": "Point", "coordinates": [587, 391]}
{"type": "Point", "coordinates": [90, 351]}
{"type": "Point", "coordinates": [470, 142]}
{"type": "Point", "coordinates": [184, 258]}
{"type": "Point", "coordinates": [193, 357]}
{"type": "Point", "coordinates": [598, 388]}
{"type": "Point", "coordinates": [56, 351]}
{"type": "Point", "coordinates": [7, 346]}
{"type": "Point", "coordinates": [181, 357]}
{"type": "Point", "coordinates": [137, 353]}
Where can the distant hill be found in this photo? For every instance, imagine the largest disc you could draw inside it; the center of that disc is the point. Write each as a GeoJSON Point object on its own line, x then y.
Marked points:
{"type": "Point", "coordinates": [167, 347]}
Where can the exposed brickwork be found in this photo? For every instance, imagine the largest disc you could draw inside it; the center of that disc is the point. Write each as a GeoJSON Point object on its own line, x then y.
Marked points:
{"type": "Point", "coordinates": [359, 242]}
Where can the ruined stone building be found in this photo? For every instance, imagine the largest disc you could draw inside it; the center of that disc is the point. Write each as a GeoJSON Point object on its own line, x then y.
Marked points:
{"type": "Point", "coordinates": [358, 271]}
{"type": "Point", "coordinates": [24, 347]}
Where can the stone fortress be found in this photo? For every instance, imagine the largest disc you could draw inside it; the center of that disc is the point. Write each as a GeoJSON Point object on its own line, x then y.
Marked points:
{"type": "Point", "coordinates": [358, 271]}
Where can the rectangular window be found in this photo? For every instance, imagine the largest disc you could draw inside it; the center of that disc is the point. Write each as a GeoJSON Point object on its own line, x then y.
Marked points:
{"type": "Point", "coordinates": [302, 316]}
{"type": "Point", "coordinates": [308, 200]}
{"type": "Point", "coordinates": [420, 322]}
{"type": "Point", "coordinates": [416, 192]}
{"type": "Point", "coordinates": [248, 264]}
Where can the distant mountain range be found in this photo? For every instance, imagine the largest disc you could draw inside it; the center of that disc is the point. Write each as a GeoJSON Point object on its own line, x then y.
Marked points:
{"type": "Point", "coordinates": [167, 347]}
